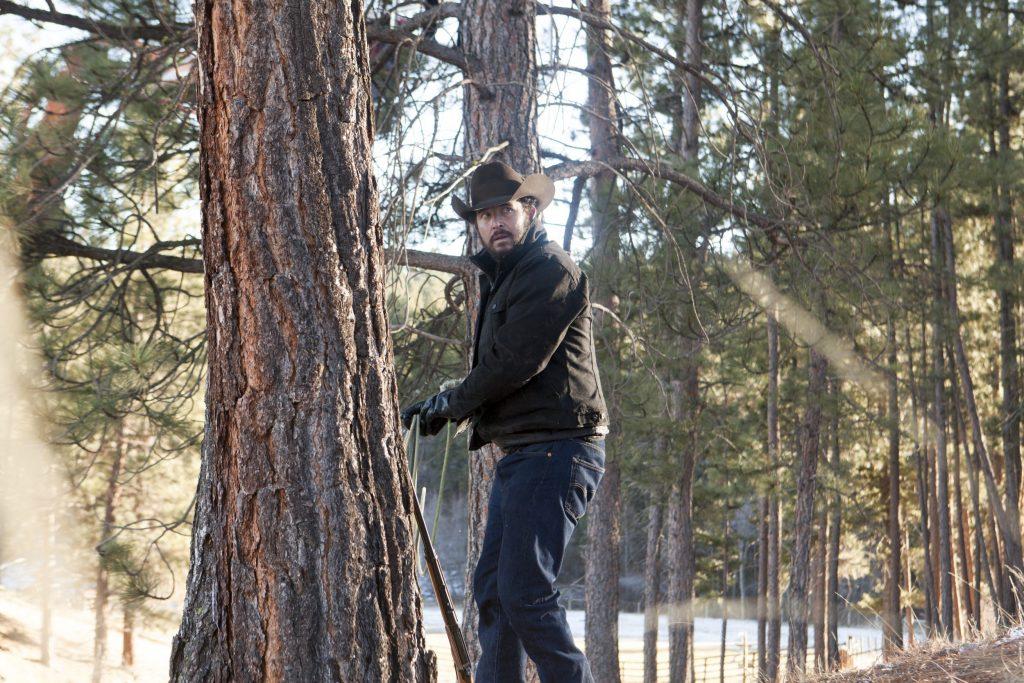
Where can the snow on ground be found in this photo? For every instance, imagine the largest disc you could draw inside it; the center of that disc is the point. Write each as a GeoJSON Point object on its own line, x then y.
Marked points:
{"type": "Point", "coordinates": [707, 631]}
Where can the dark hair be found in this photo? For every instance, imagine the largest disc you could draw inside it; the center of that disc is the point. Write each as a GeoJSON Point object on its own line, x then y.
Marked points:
{"type": "Point", "coordinates": [532, 201]}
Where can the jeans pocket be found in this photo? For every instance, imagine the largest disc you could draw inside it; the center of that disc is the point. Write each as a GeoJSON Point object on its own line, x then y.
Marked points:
{"type": "Point", "coordinates": [583, 480]}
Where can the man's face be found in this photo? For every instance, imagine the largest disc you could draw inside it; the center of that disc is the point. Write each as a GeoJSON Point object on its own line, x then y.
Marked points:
{"type": "Point", "coordinates": [502, 227]}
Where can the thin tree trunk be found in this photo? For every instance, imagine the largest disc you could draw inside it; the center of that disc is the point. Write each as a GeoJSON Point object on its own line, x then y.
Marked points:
{"type": "Point", "coordinates": [110, 500]}
{"type": "Point", "coordinates": [128, 637]}
{"type": "Point", "coordinates": [46, 590]}
{"type": "Point", "coordinates": [725, 603]}
{"type": "Point", "coordinates": [892, 624]}
{"type": "Point", "coordinates": [499, 107]}
{"type": "Point", "coordinates": [911, 625]}
{"type": "Point", "coordinates": [762, 588]}
{"type": "Point", "coordinates": [603, 530]}
{"type": "Point", "coordinates": [679, 544]}
{"type": "Point", "coordinates": [686, 135]}
{"type": "Point", "coordinates": [773, 637]}
{"type": "Point", "coordinates": [807, 468]}
{"type": "Point", "coordinates": [1007, 516]}
{"type": "Point", "coordinates": [1008, 282]}
{"type": "Point", "coordinates": [945, 542]}
{"type": "Point", "coordinates": [302, 554]}
{"type": "Point", "coordinates": [819, 565]}
{"type": "Point", "coordinates": [983, 566]}
{"type": "Point", "coordinates": [963, 585]}
{"type": "Point", "coordinates": [920, 435]}
{"type": "Point", "coordinates": [834, 535]}
{"type": "Point", "coordinates": [651, 597]}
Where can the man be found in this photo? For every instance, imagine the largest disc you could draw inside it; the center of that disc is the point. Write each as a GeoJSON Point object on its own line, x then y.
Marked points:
{"type": "Point", "coordinates": [534, 391]}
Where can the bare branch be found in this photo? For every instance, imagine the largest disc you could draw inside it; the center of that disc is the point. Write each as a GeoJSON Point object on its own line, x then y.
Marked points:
{"type": "Point", "coordinates": [660, 170]}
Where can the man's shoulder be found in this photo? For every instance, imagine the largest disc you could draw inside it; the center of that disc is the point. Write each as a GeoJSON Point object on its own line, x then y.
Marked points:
{"type": "Point", "coordinates": [550, 257]}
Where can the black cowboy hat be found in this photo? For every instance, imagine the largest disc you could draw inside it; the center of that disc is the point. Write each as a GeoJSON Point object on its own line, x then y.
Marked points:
{"type": "Point", "coordinates": [496, 183]}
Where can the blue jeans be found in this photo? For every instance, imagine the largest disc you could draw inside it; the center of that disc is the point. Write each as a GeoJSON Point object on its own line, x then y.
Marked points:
{"type": "Point", "coordinates": [539, 493]}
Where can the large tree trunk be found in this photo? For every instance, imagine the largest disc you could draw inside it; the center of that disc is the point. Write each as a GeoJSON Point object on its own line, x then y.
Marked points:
{"type": "Point", "coordinates": [499, 114]}
{"type": "Point", "coordinates": [302, 552]}
{"type": "Point", "coordinates": [807, 468]}
{"type": "Point", "coordinates": [603, 529]}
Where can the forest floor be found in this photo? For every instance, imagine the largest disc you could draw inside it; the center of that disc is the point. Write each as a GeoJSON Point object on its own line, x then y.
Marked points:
{"type": "Point", "coordinates": [994, 660]}
{"type": "Point", "coordinates": [72, 629]}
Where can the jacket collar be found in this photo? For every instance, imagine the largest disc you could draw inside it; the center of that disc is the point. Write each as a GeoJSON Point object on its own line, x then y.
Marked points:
{"type": "Point", "coordinates": [489, 265]}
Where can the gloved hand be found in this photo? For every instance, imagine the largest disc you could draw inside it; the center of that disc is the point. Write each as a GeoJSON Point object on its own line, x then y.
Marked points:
{"type": "Point", "coordinates": [410, 412]}
{"type": "Point", "coordinates": [434, 413]}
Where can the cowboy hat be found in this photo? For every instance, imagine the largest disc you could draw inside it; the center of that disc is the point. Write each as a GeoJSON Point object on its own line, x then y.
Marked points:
{"type": "Point", "coordinates": [496, 183]}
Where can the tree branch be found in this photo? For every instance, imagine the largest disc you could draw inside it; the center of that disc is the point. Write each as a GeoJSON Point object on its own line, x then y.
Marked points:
{"type": "Point", "coordinates": [52, 244]}
{"type": "Point", "coordinates": [101, 28]}
{"type": "Point", "coordinates": [426, 260]}
{"type": "Point", "coordinates": [658, 169]}
{"type": "Point", "coordinates": [398, 36]}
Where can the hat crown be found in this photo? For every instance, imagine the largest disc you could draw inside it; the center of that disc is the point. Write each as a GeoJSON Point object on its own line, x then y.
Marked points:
{"type": "Point", "coordinates": [493, 179]}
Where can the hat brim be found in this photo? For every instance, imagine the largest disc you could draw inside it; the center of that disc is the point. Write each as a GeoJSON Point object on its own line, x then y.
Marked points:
{"type": "Point", "coordinates": [536, 185]}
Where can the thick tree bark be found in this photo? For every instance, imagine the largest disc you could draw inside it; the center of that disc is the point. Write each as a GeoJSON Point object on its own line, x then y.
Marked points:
{"type": "Point", "coordinates": [302, 552]}
{"type": "Point", "coordinates": [651, 589]}
{"type": "Point", "coordinates": [797, 594]}
{"type": "Point", "coordinates": [499, 108]}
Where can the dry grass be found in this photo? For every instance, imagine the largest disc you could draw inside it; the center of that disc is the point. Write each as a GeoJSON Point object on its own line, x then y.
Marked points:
{"type": "Point", "coordinates": [995, 660]}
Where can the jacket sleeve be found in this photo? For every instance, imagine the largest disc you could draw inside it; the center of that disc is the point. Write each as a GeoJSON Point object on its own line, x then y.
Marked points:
{"type": "Point", "coordinates": [545, 301]}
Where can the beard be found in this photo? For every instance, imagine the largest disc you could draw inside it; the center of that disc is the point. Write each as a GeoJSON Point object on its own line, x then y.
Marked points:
{"type": "Point", "coordinates": [530, 225]}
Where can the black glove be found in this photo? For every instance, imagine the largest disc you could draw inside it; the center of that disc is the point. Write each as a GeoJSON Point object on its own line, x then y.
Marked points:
{"type": "Point", "coordinates": [412, 411]}
{"type": "Point", "coordinates": [435, 412]}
